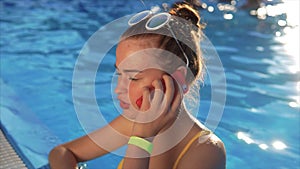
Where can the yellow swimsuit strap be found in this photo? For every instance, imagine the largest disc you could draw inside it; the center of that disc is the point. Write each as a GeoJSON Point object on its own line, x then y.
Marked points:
{"type": "Point", "coordinates": [188, 145]}
{"type": "Point", "coordinates": [120, 166]}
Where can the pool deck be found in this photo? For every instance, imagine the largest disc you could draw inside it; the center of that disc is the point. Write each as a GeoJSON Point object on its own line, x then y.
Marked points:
{"type": "Point", "coordinates": [9, 159]}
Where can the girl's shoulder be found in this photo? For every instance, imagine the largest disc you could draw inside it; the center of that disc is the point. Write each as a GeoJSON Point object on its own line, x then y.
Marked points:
{"type": "Point", "coordinates": [207, 151]}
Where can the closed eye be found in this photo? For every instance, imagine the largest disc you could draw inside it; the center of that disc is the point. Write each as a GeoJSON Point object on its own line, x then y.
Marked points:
{"type": "Point", "coordinates": [128, 72]}
{"type": "Point", "coordinates": [130, 78]}
{"type": "Point", "coordinates": [133, 79]}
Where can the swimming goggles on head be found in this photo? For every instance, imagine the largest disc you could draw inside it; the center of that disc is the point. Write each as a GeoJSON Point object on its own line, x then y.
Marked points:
{"type": "Point", "coordinates": [155, 22]}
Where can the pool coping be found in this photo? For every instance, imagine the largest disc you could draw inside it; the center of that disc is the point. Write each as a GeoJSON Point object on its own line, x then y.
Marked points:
{"type": "Point", "coordinates": [9, 146]}
{"type": "Point", "coordinates": [11, 151]}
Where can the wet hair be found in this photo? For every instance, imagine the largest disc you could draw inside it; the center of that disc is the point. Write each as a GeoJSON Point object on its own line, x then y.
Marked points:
{"type": "Point", "coordinates": [186, 27]}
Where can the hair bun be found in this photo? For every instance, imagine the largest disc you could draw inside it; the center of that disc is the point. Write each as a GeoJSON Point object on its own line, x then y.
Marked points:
{"type": "Point", "coordinates": [188, 10]}
{"type": "Point", "coordinates": [194, 3]}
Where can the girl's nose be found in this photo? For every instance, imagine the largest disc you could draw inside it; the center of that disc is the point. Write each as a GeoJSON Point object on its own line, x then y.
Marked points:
{"type": "Point", "coordinates": [121, 85]}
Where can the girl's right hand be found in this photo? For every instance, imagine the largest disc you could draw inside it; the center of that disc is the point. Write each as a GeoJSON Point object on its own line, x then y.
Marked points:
{"type": "Point", "coordinates": [156, 111]}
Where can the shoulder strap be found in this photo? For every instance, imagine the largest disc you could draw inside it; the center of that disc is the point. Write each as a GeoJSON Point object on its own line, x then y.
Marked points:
{"type": "Point", "coordinates": [120, 166]}
{"type": "Point", "coordinates": [188, 145]}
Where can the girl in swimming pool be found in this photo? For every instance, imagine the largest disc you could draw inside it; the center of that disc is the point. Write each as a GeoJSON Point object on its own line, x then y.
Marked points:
{"type": "Point", "coordinates": [157, 59]}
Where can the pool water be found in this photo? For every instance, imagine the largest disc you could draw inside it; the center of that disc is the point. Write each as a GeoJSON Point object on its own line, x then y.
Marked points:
{"type": "Point", "coordinates": [40, 42]}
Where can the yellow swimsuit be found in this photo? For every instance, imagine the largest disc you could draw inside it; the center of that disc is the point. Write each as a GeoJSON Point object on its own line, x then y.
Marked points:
{"type": "Point", "coordinates": [187, 146]}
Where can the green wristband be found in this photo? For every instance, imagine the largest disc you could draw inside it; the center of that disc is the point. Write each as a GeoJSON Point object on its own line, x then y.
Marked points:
{"type": "Point", "coordinates": [141, 143]}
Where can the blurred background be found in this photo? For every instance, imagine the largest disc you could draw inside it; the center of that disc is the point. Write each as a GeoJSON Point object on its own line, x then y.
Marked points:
{"type": "Point", "coordinates": [257, 42]}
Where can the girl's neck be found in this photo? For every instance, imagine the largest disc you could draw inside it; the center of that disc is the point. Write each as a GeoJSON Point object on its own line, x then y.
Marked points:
{"type": "Point", "coordinates": [175, 132]}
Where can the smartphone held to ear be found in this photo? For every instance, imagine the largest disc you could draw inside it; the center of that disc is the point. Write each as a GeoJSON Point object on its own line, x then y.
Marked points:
{"type": "Point", "coordinates": [139, 101]}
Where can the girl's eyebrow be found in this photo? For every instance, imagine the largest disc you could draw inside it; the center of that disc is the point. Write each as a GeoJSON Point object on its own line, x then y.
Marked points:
{"type": "Point", "coordinates": [129, 70]}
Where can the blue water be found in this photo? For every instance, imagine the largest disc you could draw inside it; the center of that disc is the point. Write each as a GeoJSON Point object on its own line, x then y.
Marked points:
{"type": "Point", "coordinates": [40, 42]}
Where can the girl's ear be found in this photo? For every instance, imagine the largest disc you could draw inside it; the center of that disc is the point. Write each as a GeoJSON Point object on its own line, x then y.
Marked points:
{"type": "Point", "coordinates": [180, 76]}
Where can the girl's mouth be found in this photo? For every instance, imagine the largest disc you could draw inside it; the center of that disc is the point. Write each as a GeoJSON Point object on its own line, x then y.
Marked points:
{"type": "Point", "coordinates": [124, 105]}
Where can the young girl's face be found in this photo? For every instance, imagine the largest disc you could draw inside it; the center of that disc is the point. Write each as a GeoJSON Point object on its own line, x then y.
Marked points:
{"type": "Point", "coordinates": [136, 71]}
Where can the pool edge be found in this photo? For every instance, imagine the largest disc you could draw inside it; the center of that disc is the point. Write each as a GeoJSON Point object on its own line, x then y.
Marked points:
{"type": "Point", "coordinates": [14, 146]}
